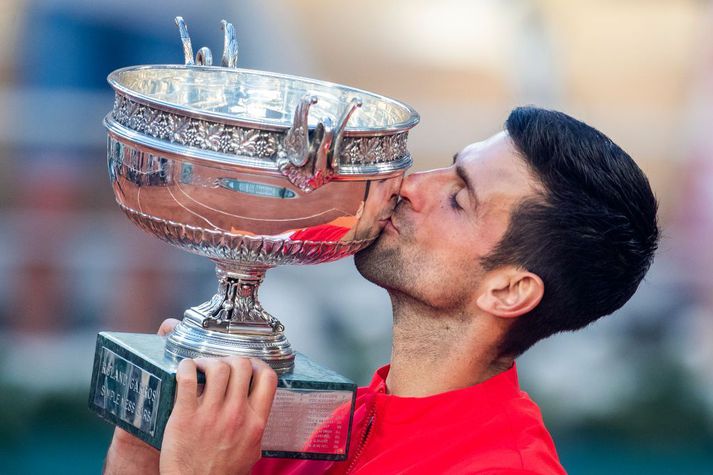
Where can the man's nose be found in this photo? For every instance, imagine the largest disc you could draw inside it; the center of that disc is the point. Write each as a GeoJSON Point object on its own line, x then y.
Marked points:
{"type": "Point", "coordinates": [417, 187]}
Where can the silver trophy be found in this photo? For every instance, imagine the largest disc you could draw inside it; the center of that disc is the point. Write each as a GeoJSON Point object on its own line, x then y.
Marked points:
{"type": "Point", "coordinates": [253, 170]}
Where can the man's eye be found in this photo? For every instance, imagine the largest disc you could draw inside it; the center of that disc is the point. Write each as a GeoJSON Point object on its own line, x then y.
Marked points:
{"type": "Point", "coordinates": [454, 202]}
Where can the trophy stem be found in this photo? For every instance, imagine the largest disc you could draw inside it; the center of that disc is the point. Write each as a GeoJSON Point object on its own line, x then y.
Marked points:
{"type": "Point", "coordinates": [235, 308]}
{"type": "Point", "coordinates": [233, 322]}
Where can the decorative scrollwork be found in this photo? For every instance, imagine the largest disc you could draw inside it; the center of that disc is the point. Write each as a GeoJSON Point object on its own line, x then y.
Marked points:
{"type": "Point", "coordinates": [248, 142]}
{"type": "Point", "coordinates": [236, 247]}
{"type": "Point", "coordinates": [370, 150]}
{"type": "Point", "coordinates": [303, 178]}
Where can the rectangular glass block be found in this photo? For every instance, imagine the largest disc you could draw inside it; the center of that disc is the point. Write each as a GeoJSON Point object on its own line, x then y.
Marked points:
{"type": "Point", "coordinates": [134, 385]}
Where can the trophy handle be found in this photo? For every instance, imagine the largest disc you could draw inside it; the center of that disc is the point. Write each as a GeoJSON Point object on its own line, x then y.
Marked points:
{"type": "Point", "coordinates": [185, 40]}
{"type": "Point", "coordinates": [204, 57]}
{"type": "Point", "coordinates": [325, 134]}
{"type": "Point", "coordinates": [353, 105]}
{"type": "Point", "coordinates": [307, 164]}
{"type": "Point", "coordinates": [297, 145]}
{"type": "Point", "coordinates": [230, 45]}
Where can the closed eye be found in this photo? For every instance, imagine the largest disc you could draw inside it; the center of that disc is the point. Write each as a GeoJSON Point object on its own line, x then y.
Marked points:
{"type": "Point", "coordinates": [454, 201]}
{"type": "Point", "coordinates": [466, 179]}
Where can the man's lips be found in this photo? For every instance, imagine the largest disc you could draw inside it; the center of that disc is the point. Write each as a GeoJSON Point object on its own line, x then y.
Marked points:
{"type": "Point", "coordinates": [390, 225]}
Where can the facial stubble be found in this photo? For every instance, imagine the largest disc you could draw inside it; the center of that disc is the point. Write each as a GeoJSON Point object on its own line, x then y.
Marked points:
{"type": "Point", "coordinates": [381, 263]}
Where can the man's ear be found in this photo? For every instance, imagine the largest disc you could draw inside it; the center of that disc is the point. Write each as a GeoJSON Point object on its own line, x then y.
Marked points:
{"type": "Point", "coordinates": [509, 292]}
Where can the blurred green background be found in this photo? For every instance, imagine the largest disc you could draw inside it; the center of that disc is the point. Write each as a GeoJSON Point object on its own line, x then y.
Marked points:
{"type": "Point", "coordinates": [633, 393]}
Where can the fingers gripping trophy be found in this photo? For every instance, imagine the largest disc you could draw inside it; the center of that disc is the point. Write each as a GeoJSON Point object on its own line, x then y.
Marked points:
{"type": "Point", "coordinates": [252, 170]}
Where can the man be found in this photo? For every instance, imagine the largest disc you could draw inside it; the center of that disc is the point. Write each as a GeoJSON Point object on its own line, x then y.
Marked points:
{"type": "Point", "coordinates": [542, 228]}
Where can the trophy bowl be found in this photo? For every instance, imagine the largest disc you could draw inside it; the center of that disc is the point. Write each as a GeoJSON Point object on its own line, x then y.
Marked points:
{"type": "Point", "coordinates": [252, 170]}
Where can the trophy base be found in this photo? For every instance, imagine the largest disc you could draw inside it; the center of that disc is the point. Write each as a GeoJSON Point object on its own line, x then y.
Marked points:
{"type": "Point", "coordinates": [134, 385]}
{"type": "Point", "coordinates": [190, 339]}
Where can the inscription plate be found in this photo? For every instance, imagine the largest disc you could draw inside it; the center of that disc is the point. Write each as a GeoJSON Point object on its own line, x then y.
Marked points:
{"type": "Point", "coordinates": [310, 421]}
{"type": "Point", "coordinates": [127, 391]}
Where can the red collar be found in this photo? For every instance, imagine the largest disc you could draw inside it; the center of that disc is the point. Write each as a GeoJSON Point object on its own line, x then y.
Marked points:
{"type": "Point", "coordinates": [507, 378]}
{"type": "Point", "coordinates": [497, 390]}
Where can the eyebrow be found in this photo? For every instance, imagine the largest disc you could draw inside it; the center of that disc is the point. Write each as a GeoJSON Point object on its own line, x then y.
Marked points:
{"type": "Point", "coordinates": [460, 171]}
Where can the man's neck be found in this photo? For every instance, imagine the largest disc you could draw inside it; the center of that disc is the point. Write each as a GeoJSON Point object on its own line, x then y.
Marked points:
{"type": "Point", "coordinates": [435, 351]}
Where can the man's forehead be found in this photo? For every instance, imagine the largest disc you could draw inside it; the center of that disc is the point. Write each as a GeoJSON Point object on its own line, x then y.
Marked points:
{"type": "Point", "coordinates": [498, 144]}
{"type": "Point", "coordinates": [494, 163]}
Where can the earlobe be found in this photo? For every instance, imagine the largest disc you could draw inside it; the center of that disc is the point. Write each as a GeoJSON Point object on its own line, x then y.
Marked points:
{"type": "Point", "coordinates": [511, 293]}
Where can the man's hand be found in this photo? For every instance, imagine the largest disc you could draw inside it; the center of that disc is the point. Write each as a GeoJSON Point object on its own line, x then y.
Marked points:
{"type": "Point", "coordinates": [128, 454]}
{"type": "Point", "coordinates": [219, 430]}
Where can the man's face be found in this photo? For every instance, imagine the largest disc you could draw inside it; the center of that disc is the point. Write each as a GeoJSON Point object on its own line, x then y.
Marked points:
{"type": "Point", "coordinates": [446, 221]}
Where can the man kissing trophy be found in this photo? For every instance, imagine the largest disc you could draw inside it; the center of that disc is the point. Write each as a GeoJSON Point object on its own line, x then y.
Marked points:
{"type": "Point", "coordinates": [253, 170]}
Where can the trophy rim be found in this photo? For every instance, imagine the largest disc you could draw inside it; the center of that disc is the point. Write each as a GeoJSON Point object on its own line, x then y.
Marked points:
{"type": "Point", "coordinates": [133, 138]}
{"type": "Point", "coordinates": [226, 118]}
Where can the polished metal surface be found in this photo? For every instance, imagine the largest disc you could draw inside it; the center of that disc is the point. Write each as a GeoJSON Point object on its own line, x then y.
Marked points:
{"type": "Point", "coordinates": [252, 170]}
{"type": "Point", "coordinates": [256, 99]}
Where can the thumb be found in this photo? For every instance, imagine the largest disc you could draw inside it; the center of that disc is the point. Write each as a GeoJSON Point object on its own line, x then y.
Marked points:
{"type": "Point", "coordinates": [167, 326]}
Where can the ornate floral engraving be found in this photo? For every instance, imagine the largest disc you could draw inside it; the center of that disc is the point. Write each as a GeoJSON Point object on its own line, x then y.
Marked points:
{"type": "Point", "coordinates": [180, 129]}
{"type": "Point", "coordinates": [157, 124]}
{"type": "Point", "coordinates": [248, 142]}
{"type": "Point", "coordinates": [213, 135]}
{"type": "Point", "coordinates": [370, 150]}
{"type": "Point", "coordinates": [206, 135]}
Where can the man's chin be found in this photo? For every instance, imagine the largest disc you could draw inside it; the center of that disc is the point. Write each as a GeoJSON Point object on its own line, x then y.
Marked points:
{"type": "Point", "coordinates": [379, 263]}
{"type": "Point", "coordinates": [376, 246]}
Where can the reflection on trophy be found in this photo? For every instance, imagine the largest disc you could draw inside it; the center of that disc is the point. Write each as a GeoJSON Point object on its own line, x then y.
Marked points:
{"type": "Point", "coordinates": [252, 170]}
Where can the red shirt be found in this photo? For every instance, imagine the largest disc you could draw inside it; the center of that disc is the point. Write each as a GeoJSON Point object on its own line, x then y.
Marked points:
{"type": "Point", "coordinates": [490, 428]}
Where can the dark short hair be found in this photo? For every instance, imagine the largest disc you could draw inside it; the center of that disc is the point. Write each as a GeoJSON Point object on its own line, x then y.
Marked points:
{"type": "Point", "coordinates": [591, 234]}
